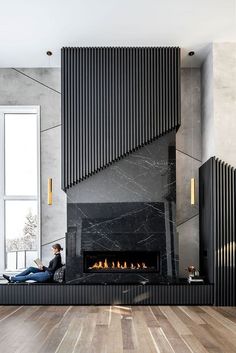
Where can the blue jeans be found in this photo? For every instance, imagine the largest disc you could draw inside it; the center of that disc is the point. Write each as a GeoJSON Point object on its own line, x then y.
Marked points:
{"type": "Point", "coordinates": [32, 273]}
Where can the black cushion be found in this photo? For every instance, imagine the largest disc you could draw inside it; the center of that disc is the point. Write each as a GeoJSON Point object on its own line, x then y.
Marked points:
{"type": "Point", "coordinates": [59, 275]}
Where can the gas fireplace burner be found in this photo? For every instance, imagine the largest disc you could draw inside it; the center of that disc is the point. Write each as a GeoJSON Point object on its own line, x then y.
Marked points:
{"type": "Point", "coordinates": [121, 261]}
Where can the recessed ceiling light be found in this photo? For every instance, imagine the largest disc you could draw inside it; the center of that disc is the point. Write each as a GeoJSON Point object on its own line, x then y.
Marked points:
{"type": "Point", "coordinates": [191, 53]}
{"type": "Point", "coordinates": [49, 53]}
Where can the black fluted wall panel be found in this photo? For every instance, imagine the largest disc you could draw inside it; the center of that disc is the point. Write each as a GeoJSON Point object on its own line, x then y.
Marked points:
{"type": "Point", "coordinates": [69, 294]}
{"type": "Point", "coordinates": [217, 227]}
{"type": "Point", "coordinates": [115, 100]}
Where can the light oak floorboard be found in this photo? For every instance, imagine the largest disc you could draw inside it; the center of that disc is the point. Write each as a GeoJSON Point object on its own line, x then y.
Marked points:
{"type": "Point", "coordinates": [117, 329]}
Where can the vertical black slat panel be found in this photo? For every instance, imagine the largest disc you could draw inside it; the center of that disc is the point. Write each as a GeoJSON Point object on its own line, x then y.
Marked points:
{"type": "Point", "coordinates": [122, 137]}
{"type": "Point", "coordinates": [109, 106]}
{"type": "Point", "coordinates": [164, 88]}
{"type": "Point", "coordinates": [178, 100]}
{"type": "Point", "coordinates": [226, 242]}
{"type": "Point", "coordinates": [70, 128]}
{"type": "Point", "coordinates": [109, 149]}
{"type": "Point", "coordinates": [77, 117]}
{"type": "Point", "coordinates": [86, 112]}
{"type": "Point", "coordinates": [145, 96]}
{"type": "Point", "coordinates": [95, 111]}
{"type": "Point", "coordinates": [158, 94]}
{"type": "Point", "coordinates": [107, 295]}
{"type": "Point", "coordinates": [89, 129]}
{"type": "Point", "coordinates": [114, 100]}
{"type": "Point", "coordinates": [83, 112]}
{"type": "Point", "coordinates": [125, 106]}
{"type": "Point", "coordinates": [119, 101]}
{"type": "Point", "coordinates": [99, 127]}
{"type": "Point", "coordinates": [220, 268]}
{"type": "Point", "coordinates": [216, 210]}
{"type": "Point", "coordinates": [233, 247]}
{"type": "Point", "coordinates": [128, 101]}
{"type": "Point", "coordinates": [134, 99]}
{"type": "Point", "coordinates": [75, 134]}
{"type": "Point", "coordinates": [169, 90]}
{"type": "Point", "coordinates": [229, 235]}
{"type": "Point", "coordinates": [80, 103]}
{"type": "Point", "coordinates": [155, 94]}
{"type": "Point", "coordinates": [92, 112]}
{"type": "Point", "coordinates": [72, 116]}
{"type": "Point", "coordinates": [131, 94]}
{"type": "Point", "coordinates": [223, 265]}
{"type": "Point", "coordinates": [148, 96]}
{"type": "Point", "coordinates": [161, 89]}
{"type": "Point", "coordinates": [223, 217]}
{"type": "Point", "coordinates": [152, 117]}
{"type": "Point", "coordinates": [105, 111]}
{"type": "Point", "coordinates": [140, 94]}
{"type": "Point", "coordinates": [63, 115]}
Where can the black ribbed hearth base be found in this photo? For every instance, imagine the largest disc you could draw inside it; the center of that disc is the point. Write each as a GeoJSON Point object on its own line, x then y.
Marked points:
{"type": "Point", "coordinates": [110, 294]}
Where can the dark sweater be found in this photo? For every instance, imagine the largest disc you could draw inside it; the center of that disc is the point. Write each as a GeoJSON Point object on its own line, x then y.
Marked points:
{"type": "Point", "coordinates": [54, 264]}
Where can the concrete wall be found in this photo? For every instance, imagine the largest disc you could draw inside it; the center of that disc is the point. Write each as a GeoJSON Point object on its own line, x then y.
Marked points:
{"type": "Point", "coordinates": [219, 108]}
{"type": "Point", "coordinates": [42, 87]}
{"type": "Point", "coordinates": [188, 161]}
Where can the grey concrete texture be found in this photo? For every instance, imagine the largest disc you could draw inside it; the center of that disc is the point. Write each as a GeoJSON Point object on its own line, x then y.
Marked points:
{"type": "Point", "coordinates": [188, 138]}
{"type": "Point", "coordinates": [186, 168]}
{"type": "Point", "coordinates": [208, 138]}
{"type": "Point", "coordinates": [188, 245]}
{"type": "Point", "coordinates": [224, 75]}
{"type": "Point", "coordinates": [49, 76]}
{"type": "Point", "coordinates": [47, 252]}
{"type": "Point", "coordinates": [53, 225]}
{"type": "Point", "coordinates": [18, 89]}
{"type": "Point", "coordinates": [219, 105]}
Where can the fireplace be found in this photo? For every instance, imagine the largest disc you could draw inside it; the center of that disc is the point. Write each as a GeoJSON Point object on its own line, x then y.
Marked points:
{"type": "Point", "coordinates": [121, 261]}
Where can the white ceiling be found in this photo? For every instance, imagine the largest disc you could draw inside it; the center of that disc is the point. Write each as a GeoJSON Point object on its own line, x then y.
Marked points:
{"type": "Point", "coordinates": [28, 28]}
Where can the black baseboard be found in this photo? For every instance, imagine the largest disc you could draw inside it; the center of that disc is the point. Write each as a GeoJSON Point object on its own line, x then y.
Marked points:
{"type": "Point", "coordinates": [110, 294]}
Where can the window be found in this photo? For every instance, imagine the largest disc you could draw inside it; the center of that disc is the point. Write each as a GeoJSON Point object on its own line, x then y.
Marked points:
{"type": "Point", "coordinates": [19, 187]}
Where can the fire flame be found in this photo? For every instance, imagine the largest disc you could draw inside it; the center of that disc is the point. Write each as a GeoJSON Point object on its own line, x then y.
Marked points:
{"type": "Point", "coordinates": [117, 265]}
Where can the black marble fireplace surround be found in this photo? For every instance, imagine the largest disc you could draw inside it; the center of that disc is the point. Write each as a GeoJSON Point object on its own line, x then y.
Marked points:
{"type": "Point", "coordinates": [126, 209]}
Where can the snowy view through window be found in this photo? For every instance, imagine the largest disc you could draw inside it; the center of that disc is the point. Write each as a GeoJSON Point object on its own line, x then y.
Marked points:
{"type": "Point", "coordinates": [21, 214]}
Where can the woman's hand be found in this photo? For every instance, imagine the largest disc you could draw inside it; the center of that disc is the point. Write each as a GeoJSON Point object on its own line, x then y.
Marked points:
{"type": "Point", "coordinates": [41, 268]}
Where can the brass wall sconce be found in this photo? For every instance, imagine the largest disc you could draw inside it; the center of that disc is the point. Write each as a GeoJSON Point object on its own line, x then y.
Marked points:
{"type": "Point", "coordinates": [49, 191]}
{"type": "Point", "coordinates": [192, 191]}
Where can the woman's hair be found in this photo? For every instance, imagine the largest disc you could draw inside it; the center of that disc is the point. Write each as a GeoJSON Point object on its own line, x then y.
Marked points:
{"type": "Point", "coordinates": [57, 246]}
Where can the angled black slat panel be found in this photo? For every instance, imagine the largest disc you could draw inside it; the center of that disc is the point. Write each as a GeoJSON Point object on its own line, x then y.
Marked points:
{"type": "Point", "coordinates": [115, 100]}
{"type": "Point", "coordinates": [217, 228]}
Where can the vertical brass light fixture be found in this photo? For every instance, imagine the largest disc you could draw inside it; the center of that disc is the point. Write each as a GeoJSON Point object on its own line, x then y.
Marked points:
{"type": "Point", "coordinates": [49, 191]}
{"type": "Point", "coordinates": [192, 191]}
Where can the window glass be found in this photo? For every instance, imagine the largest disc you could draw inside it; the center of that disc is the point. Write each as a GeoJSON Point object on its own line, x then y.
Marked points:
{"type": "Point", "coordinates": [20, 154]}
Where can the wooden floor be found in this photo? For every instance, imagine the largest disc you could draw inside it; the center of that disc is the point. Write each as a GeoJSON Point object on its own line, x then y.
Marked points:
{"type": "Point", "coordinates": [116, 329]}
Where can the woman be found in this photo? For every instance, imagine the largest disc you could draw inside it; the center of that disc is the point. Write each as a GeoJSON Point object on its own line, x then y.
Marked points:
{"type": "Point", "coordinates": [41, 274]}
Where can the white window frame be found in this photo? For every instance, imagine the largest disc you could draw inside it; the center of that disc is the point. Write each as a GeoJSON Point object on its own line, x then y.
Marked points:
{"type": "Point", "coordinates": [5, 109]}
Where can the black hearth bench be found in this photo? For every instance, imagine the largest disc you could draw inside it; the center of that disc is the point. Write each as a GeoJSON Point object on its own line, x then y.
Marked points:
{"type": "Point", "coordinates": [106, 294]}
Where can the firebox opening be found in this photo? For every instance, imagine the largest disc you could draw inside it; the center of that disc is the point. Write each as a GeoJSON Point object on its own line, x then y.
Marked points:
{"type": "Point", "coordinates": [121, 261]}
